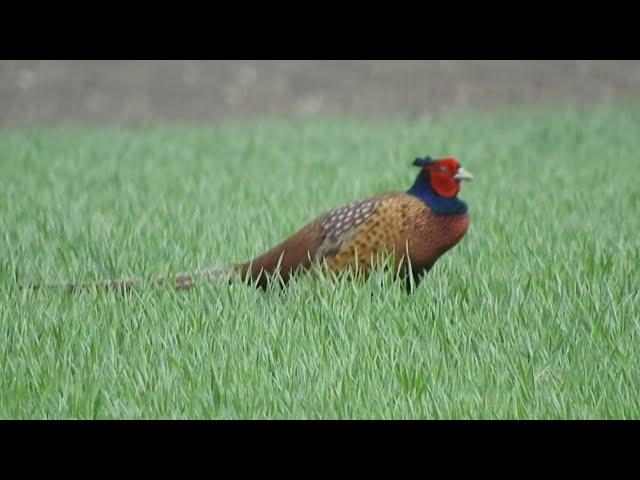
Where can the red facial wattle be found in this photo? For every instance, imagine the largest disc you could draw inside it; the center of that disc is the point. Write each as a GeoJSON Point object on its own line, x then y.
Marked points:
{"type": "Point", "coordinates": [442, 177]}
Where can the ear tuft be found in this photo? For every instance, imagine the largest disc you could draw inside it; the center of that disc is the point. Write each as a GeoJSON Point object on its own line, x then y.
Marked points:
{"type": "Point", "coordinates": [423, 162]}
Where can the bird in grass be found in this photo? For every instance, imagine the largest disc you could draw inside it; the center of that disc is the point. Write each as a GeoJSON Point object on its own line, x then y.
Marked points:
{"type": "Point", "coordinates": [413, 228]}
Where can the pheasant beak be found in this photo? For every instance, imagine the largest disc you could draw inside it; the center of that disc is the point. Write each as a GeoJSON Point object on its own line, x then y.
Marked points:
{"type": "Point", "coordinates": [462, 175]}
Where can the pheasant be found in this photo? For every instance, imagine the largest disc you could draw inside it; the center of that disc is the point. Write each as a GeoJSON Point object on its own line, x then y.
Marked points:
{"type": "Point", "coordinates": [416, 227]}
{"type": "Point", "coordinates": [419, 225]}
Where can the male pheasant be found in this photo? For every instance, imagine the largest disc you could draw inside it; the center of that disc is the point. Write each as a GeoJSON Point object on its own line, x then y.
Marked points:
{"type": "Point", "coordinates": [418, 225]}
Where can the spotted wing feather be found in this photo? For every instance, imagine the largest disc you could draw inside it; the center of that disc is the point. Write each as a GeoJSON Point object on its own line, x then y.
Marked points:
{"type": "Point", "coordinates": [341, 226]}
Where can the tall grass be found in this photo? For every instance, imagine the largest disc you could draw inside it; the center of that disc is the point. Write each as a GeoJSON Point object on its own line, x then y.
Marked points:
{"type": "Point", "coordinates": [535, 314]}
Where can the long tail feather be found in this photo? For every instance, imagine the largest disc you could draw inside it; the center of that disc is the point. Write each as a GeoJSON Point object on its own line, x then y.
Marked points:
{"type": "Point", "coordinates": [180, 282]}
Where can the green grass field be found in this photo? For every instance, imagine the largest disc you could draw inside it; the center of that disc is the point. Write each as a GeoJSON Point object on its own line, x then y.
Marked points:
{"type": "Point", "coordinates": [535, 314]}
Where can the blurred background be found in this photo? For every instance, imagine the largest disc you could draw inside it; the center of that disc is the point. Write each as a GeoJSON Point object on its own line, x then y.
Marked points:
{"type": "Point", "coordinates": [142, 92]}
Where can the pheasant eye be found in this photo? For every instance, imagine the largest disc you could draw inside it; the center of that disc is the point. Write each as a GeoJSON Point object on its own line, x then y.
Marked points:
{"type": "Point", "coordinates": [442, 169]}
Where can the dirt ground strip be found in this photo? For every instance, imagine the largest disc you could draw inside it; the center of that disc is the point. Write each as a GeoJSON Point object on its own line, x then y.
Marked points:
{"type": "Point", "coordinates": [140, 92]}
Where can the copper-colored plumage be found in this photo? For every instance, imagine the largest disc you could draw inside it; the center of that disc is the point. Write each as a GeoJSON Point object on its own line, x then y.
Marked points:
{"type": "Point", "coordinates": [361, 234]}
